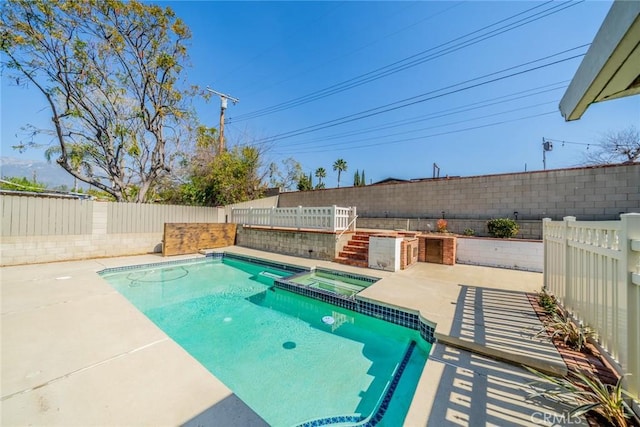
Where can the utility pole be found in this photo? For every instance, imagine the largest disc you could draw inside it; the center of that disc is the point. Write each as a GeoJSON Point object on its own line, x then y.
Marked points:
{"type": "Point", "coordinates": [223, 106]}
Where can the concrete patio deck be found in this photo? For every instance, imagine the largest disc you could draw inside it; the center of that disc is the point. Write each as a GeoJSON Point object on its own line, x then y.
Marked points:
{"type": "Point", "coordinates": [75, 352]}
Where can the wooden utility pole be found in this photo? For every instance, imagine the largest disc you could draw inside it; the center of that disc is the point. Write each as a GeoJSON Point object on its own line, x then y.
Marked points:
{"type": "Point", "coordinates": [223, 106]}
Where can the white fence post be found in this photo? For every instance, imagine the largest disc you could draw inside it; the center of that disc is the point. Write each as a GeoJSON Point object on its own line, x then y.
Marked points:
{"type": "Point", "coordinates": [272, 215]}
{"type": "Point", "coordinates": [332, 219]}
{"type": "Point", "coordinates": [299, 217]}
{"type": "Point", "coordinates": [630, 232]}
{"type": "Point", "coordinates": [352, 219]}
{"type": "Point", "coordinates": [567, 286]}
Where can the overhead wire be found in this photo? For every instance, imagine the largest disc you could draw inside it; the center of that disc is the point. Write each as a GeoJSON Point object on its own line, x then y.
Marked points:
{"type": "Point", "coordinates": [443, 113]}
{"type": "Point", "coordinates": [422, 137]}
{"type": "Point", "coordinates": [316, 66]}
{"type": "Point", "coordinates": [403, 64]}
{"type": "Point", "coordinates": [468, 119]}
{"type": "Point", "coordinates": [423, 97]}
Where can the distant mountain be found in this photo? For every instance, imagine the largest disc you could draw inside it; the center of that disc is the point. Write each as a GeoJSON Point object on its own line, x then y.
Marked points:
{"type": "Point", "coordinates": [50, 174]}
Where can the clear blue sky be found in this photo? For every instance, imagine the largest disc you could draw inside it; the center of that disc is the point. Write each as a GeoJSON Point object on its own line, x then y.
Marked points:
{"type": "Point", "coordinates": [270, 53]}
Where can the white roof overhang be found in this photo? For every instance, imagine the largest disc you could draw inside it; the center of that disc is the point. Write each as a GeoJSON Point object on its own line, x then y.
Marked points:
{"type": "Point", "coordinates": [611, 67]}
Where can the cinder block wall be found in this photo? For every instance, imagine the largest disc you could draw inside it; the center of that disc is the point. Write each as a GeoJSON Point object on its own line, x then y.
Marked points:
{"type": "Point", "coordinates": [591, 193]}
{"type": "Point", "coordinates": [313, 245]}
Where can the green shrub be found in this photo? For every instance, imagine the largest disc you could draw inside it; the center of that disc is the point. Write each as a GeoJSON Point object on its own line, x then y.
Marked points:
{"type": "Point", "coordinates": [502, 227]}
{"type": "Point", "coordinates": [469, 232]}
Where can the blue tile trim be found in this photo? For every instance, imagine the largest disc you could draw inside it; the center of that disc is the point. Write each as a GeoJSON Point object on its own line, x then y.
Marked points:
{"type": "Point", "coordinates": [339, 273]}
{"type": "Point", "coordinates": [154, 264]}
{"type": "Point", "coordinates": [390, 314]}
{"type": "Point", "coordinates": [267, 263]}
{"type": "Point", "coordinates": [376, 416]}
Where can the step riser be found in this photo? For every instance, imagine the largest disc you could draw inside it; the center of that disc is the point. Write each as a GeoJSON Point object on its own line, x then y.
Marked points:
{"type": "Point", "coordinates": [357, 249]}
{"type": "Point", "coordinates": [354, 256]}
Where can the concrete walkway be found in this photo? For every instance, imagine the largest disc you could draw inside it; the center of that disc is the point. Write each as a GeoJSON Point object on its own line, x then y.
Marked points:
{"type": "Point", "coordinates": [75, 352]}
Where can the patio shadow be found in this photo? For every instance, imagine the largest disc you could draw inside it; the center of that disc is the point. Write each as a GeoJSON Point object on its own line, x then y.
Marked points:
{"type": "Point", "coordinates": [231, 411]}
{"type": "Point", "coordinates": [477, 386]}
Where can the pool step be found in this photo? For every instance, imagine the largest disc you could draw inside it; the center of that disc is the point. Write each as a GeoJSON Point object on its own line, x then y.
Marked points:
{"type": "Point", "coordinates": [356, 251]}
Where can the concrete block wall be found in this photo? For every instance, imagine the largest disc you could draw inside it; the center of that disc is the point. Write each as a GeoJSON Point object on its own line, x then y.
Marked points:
{"type": "Point", "coordinates": [505, 253]}
{"type": "Point", "coordinates": [589, 193]}
{"type": "Point", "coordinates": [305, 244]}
{"type": "Point", "coordinates": [17, 250]}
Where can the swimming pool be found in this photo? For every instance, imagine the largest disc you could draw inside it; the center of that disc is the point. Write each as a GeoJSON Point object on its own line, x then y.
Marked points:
{"type": "Point", "coordinates": [275, 349]}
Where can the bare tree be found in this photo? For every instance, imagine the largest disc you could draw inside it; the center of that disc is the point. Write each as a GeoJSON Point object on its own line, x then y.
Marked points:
{"type": "Point", "coordinates": [616, 147]}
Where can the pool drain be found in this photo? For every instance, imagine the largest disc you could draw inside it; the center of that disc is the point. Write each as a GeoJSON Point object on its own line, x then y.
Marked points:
{"type": "Point", "coordinates": [289, 345]}
{"type": "Point", "coordinates": [329, 320]}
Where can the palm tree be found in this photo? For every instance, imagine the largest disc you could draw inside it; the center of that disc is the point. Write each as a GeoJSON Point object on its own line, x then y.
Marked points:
{"type": "Point", "coordinates": [321, 173]}
{"type": "Point", "coordinates": [339, 165]}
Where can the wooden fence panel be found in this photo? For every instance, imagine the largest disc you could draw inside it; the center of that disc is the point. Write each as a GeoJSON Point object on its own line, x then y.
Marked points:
{"type": "Point", "coordinates": [189, 238]}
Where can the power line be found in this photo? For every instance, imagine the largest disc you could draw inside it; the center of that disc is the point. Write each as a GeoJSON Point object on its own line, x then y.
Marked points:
{"type": "Point", "coordinates": [443, 113]}
{"type": "Point", "coordinates": [416, 99]}
{"type": "Point", "coordinates": [403, 64]}
{"type": "Point", "coordinates": [425, 136]}
{"type": "Point", "coordinates": [315, 67]}
{"type": "Point", "coordinates": [441, 125]}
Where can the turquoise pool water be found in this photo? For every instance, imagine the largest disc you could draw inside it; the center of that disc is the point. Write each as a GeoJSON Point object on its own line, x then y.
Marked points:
{"type": "Point", "coordinates": [272, 347]}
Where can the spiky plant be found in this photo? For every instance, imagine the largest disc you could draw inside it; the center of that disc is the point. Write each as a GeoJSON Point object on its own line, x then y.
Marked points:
{"type": "Point", "coordinates": [574, 335]}
{"type": "Point", "coordinates": [585, 394]}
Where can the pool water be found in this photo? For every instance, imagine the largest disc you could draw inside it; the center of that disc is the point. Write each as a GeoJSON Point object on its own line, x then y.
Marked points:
{"type": "Point", "coordinates": [272, 347]}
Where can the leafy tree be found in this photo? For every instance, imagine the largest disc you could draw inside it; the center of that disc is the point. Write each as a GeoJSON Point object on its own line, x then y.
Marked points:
{"type": "Point", "coordinates": [616, 147]}
{"type": "Point", "coordinates": [321, 173]}
{"type": "Point", "coordinates": [363, 181]}
{"type": "Point", "coordinates": [356, 178]}
{"type": "Point", "coordinates": [339, 165]}
{"type": "Point", "coordinates": [288, 178]}
{"type": "Point", "coordinates": [109, 71]}
{"type": "Point", "coordinates": [305, 183]}
{"type": "Point", "coordinates": [230, 177]}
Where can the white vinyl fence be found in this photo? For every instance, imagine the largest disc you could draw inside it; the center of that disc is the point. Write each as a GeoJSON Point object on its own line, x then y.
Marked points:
{"type": "Point", "coordinates": [330, 218]}
{"type": "Point", "coordinates": [593, 268]}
